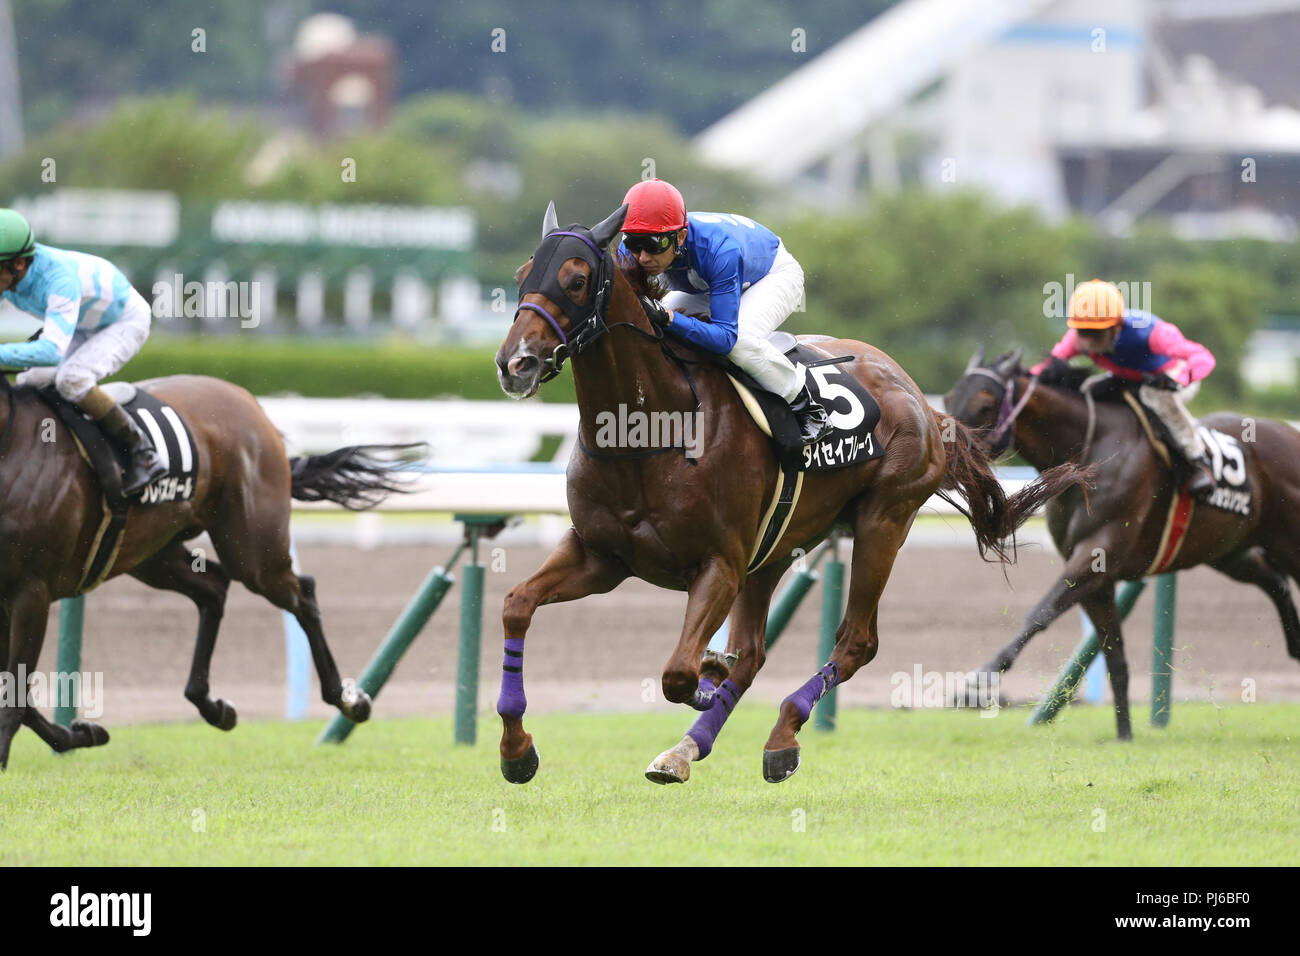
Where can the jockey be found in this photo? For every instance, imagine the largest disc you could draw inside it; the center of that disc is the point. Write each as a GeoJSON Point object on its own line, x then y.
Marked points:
{"type": "Point", "coordinates": [1136, 345]}
{"type": "Point", "coordinates": [94, 324]}
{"type": "Point", "coordinates": [732, 270]}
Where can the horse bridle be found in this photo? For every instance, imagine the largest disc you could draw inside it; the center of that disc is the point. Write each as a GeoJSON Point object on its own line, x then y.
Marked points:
{"type": "Point", "coordinates": [1003, 434]}
{"type": "Point", "coordinates": [586, 322]}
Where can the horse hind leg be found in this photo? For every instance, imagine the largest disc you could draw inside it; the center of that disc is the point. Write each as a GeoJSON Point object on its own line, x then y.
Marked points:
{"type": "Point", "coordinates": [254, 550]}
{"type": "Point", "coordinates": [878, 534]}
{"type": "Point", "coordinates": [206, 583]}
{"type": "Point", "coordinates": [1254, 566]}
{"type": "Point", "coordinates": [1104, 615]}
{"type": "Point", "coordinates": [296, 593]}
{"type": "Point", "coordinates": [80, 733]}
{"type": "Point", "coordinates": [25, 627]}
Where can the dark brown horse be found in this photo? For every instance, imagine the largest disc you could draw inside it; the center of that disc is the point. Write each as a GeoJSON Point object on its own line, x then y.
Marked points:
{"type": "Point", "coordinates": [1118, 532]}
{"type": "Point", "coordinates": [53, 506]}
{"type": "Point", "coordinates": [690, 524]}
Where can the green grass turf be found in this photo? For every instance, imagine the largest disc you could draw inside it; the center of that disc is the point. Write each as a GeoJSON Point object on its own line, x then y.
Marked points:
{"type": "Point", "coordinates": [1220, 786]}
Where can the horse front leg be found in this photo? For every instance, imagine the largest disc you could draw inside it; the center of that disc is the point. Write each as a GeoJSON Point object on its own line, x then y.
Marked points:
{"type": "Point", "coordinates": [1105, 618]}
{"type": "Point", "coordinates": [710, 597]}
{"type": "Point", "coordinates": [572, 571]}
{"type": "Point", "coordinates": [1077, 583]}
{"type": "Point", "coordinates": [746, 640]}
{"type": "Point", "coordinates": [28, 612]}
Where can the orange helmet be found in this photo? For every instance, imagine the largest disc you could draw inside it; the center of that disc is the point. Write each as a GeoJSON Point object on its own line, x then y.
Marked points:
{"type": "Point", "coordinates": [654, 206]}
{"type": "Point", "coordinates": [1096, 305]}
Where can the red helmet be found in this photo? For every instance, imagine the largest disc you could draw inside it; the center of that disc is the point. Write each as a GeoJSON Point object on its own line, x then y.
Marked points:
{"type": "Point", "coordinates": [654, 206]}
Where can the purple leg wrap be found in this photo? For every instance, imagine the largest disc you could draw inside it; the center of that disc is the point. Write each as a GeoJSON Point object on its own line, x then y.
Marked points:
{"type": "Point", "coordinates": [511, 702]}
{"type": "Point", "coordinates": [808, 695]}
{"type": "Point", "coordinates": [704, 692]}
{"type": "Point", "coordinates": [705, 729]}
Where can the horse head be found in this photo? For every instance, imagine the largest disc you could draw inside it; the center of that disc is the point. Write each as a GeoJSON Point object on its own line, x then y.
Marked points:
{"type": "Point", "coordinates": [982, 398]}
{"type": "Point", "coordinates": [564, 291]}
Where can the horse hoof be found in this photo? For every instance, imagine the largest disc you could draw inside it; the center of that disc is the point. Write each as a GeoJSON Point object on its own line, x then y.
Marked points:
{"type": "Point", "coordinates": [669, 767]}
{"type": "Point", "coordinates": [88, 734]}
{"type": "Point", "coordinates": [227, 716]}
{"type": "Point", "coordinates": [357, 709]}
{"type": "Point", "coordinates": [703, 699]}
{"type": "Point", "coordinates": [521, 769]}
{"type": "Point", "coordinates": [780, 764]}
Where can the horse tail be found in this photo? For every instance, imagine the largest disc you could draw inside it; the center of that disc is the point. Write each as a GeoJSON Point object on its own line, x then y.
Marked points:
{"type": "Point", "coordinates": [994, 516]}
{"type": "Point", "coordinates": [349, 476]}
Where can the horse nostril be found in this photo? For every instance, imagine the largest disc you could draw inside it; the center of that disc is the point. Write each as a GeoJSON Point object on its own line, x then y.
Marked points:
{"type": "Point", "coordinates": [523, 365]}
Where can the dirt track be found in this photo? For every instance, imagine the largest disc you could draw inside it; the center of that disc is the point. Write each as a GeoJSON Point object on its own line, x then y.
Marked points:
{"type": "Point", "coordinates": [944, 610]}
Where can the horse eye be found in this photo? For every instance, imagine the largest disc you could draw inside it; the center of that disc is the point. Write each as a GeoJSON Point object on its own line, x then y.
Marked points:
{"type": "Point", "coordinates": [578, 283]}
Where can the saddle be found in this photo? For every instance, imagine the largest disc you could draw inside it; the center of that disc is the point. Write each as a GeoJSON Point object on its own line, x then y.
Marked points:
{"type": "Point", "coordinates": [1233, 491]}
{"type": "Point", "coordinates": [173, 442]}
{"type": "Point", "coordinates": [853, 411]}
{"type": "Point", "coordinates": [854, 414]}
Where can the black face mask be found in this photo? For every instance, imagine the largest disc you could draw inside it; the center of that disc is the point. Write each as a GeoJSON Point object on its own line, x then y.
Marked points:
{"type": "Point", "coordinates": [586, 322]}
{"type": "Point", "coordinates": [576, 242]}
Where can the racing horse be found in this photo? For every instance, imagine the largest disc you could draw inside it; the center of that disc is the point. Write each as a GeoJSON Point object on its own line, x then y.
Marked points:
{"type": "Point", "coordinates": [690, 523]}
{"type": "Point", "coordinates": [53, 505]}
{"type": "Point", "coordinates": [1132, 525]}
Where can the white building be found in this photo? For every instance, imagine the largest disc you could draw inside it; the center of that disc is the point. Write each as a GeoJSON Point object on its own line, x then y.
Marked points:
{"type": "Point", "coordinates": [1111, 107]}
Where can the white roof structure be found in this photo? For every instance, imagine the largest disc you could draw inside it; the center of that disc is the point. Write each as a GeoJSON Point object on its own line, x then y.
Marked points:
{"type": "Point", "coordinates": [1064, 104]}
{"type": "Point", "coordinates": [859, 81]}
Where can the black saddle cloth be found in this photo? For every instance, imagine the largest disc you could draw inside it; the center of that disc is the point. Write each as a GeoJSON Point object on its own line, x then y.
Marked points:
{"type": "Point", "coordinates": [172, 440]}
{"type": "Point", "coordinates": [853, 411]}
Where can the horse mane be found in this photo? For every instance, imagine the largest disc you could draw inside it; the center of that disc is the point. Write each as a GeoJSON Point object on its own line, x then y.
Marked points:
{"type": "Point", "coordinates": [1068, 378]}
{"type": "Point", "coordinates": [1061, 374]}
{"type": "Point", "coordinates": [639, 279]}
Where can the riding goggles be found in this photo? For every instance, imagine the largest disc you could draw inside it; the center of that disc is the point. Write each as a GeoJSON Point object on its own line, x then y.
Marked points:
{"type": "Point", "coordinates": [649, 242]}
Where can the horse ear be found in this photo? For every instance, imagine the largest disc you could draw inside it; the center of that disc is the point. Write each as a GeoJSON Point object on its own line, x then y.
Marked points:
{"type": "Point", "coordinates": [976, 360]}
{"type": "Point", "coordinates": [550, 222]}
{"type": "Point", "coordinates": [607, 229]}
{"type": "Point", "coordinates": [1011, 362]}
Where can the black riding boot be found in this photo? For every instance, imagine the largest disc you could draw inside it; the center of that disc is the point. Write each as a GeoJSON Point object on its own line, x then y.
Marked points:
{"type": "Point", "coordinates": [1202, 480]}
{"type": "Point", "coordinates": [146, 467]}
{"type": "Point", "coordinates": [814, 425]}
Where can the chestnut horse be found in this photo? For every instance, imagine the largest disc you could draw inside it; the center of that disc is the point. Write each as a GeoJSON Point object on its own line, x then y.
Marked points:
{"type": "Point", "coordinates": [1117, 533]}
{"type": "Point", "coordinates": [690, 523]}
{"type": "Point", "coordinates": [53, 506]}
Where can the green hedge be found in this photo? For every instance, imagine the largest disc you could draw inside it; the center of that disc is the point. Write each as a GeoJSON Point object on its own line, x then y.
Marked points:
{"type": "Point", "coordinates": [333, 369]}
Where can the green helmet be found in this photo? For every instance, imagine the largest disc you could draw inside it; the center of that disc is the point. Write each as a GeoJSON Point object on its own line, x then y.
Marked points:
{"type": "Point", "coordinates": [16, 239]}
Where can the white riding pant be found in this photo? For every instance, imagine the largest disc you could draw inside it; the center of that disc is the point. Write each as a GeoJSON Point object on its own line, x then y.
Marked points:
{"type": "Point", "coordinates": [95, 355]}
{"type": "Point", "coordinates": [763, 306]}
{"type": "Point", "coordinates": [1169, 406]}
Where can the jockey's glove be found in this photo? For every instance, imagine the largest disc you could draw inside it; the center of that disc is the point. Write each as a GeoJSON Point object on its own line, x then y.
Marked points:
{"type": "Point", "coordinates": [657, 314]}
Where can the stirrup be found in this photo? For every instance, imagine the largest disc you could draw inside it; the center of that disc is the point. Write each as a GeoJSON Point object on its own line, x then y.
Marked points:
{"type": "Point", "coordinates": [139, 475]}
{"type": "Point", "coordinates": [808, 417]}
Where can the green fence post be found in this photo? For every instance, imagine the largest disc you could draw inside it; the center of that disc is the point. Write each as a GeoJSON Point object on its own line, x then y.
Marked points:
{"type": "Point", "coordinates": [1073, 671]}
{"type": "Point", "coordinates": [832, 611]}
{"type": "Point", "coordinates": [1162, 652]}
{"type": "Point", "coordinates": [787, 602]}
{"type": "Point", "coordinates": [72, 615]}
{"type": "Point", "coordinates": [471, 630]}
{"type": "Point", "coordinates": [408, 626]}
